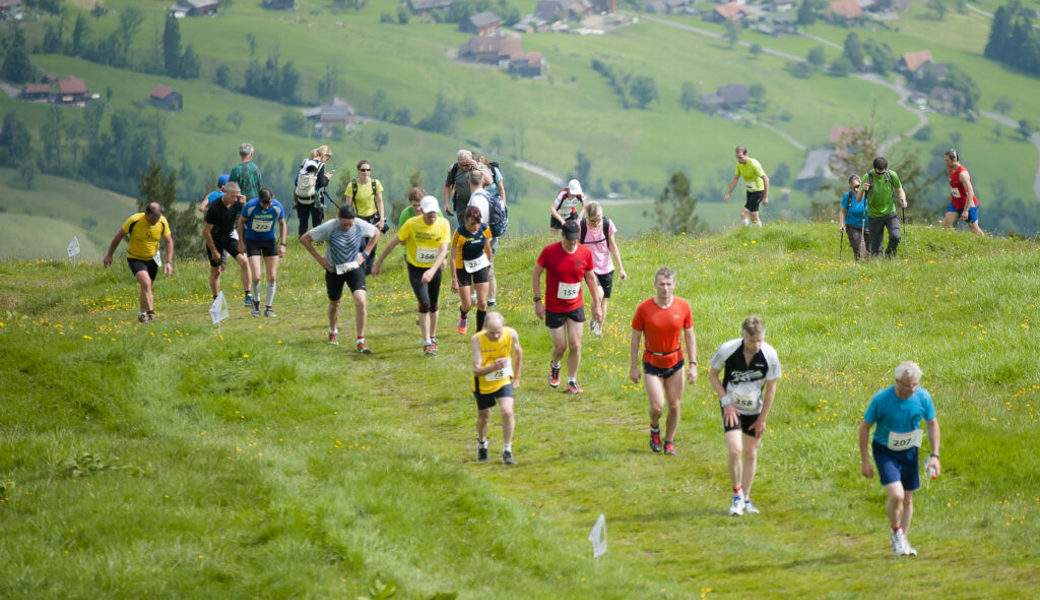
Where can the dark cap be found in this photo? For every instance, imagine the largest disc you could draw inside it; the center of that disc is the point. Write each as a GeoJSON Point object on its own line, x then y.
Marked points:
{"type": "Point", "coordinates": [571, 230]}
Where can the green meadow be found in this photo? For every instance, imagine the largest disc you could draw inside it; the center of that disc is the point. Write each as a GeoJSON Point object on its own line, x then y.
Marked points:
{"type": "Point", "coordinates": [252, 460]}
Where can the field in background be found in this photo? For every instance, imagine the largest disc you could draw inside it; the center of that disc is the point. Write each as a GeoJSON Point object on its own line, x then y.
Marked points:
{"type": "Point", "coordinates": [252, 460]}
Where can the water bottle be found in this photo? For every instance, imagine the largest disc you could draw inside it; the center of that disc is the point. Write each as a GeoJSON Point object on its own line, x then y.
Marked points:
{"type": "Point", "coordinates": [932, 474]}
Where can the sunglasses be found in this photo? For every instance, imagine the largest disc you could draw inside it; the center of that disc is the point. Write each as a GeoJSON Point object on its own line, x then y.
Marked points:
{"type": "Point", "coordinates": [365, 170]}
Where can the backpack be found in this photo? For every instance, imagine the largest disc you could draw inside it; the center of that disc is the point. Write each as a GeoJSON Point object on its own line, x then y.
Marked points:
{"type": "Point", "coordinates": [307, 180]}
{"type": "Point", "coordinates": [870, 177]}
{"type": "Point", "coordinates": [353, 190]}
{"type": "Point", "coordinates": [585, 231]}
{"type": "Point", "coordinates": [498, 216]}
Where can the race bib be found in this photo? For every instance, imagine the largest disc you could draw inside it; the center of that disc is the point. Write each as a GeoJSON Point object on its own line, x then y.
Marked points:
{"type": "Point", "coordinates": [750, 185]}
{"type": "Point", "coordinates": [568, 291]}
{"type": "Point", "coordinates": [346, 267]}
{"type": "Point", "coordinates": [500, 374]}
{"type": "Point", "coordinates": [955, 192]}
{"type": "Point", "coordinates": [904, 441]}
{"type": "Point", "coordinates": [425, 255]}
{"type": "Point", "coordinates": [478, 263]}
{"type": "Point", "coordinates": [261, 226]}
{"type": "Point", "coordinates": [745, 397]}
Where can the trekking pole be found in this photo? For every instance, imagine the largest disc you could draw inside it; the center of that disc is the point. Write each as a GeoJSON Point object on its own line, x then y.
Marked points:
{"type": "Point", "coordinates": [841, 242]}
{"type": "Point", "coordinates": [906, 234]}
{"type": "Point", "coordinates": [325, 196]}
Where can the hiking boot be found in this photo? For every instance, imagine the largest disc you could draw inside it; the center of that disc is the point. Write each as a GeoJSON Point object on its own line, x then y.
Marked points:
{"type": "Point", "coordinates": [462, 325]}
{"type": "Point", "coordinates": [507, 457]}
{"type": "Point", "coordinates": [482, 453]}
{"type": "Point", "coordinates": [737, 507]}
{"type": "Point", "coordinates": [333, 340]}
{"type": "Point", "coordinates": [669, 448]}
{"type": "Point", "coordinates": [269, 313]}
{"type": "Point", "coordinates": [554, 376]}
{"type": "Point", "coordinates": [256, 309]}
{"type": "Point", "coordinates": [573, 388]}
{"type": "Point", "coordinates": [749, 507]}
{"type": "Point", "coordinates": [655, 440]}
{"type": "Point", "coordinates": [363, 348]}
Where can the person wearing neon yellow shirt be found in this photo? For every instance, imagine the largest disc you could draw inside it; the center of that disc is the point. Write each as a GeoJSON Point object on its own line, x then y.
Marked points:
{"type": "Point", "coordinates": [756, 182]}
{"type": "Point", "coordinates": [496, 356]}
{"type": "Point", "coordinates": [144, 230]}
{"type": "Point", "coordinates": [426, 241]}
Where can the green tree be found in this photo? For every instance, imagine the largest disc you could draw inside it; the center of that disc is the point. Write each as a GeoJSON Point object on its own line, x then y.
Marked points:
{"type": "Point", "coordinates": [130, 19]}
{"type": "Point", "coordinates": [79, 35]}
{"type": "Point", "coordinates": [51, 134]}
{"type": "Point", "coordinates": [643, 90]}
{"type": "Point", "coordinates": [854, 51]}
{"type": "Point", "coordinates": [691, 97]}
{"type": "Point", "coordinates": [328, 85]}
{"type": "Point", "coordinates": [806, 12]}
{"type": "Point", "coordinates": [15, 140]}
{"type": "Point", "coordinates": [53, 37]}
{"type": "Point", "coordinates": [938, 8]}
{"type": "Point", "coordinates": [185, 226]}
{"type": "Point", "coordinates": [841, 66]}
{"type": "Point", "coordinates": [292, 122]}
{"type": "Point", "coordinates": [380, 138]}
{"type": "Point", "coordinates": [732, 34]}
{"type": "Point", "coordinates": [222, 76]}
{"type": "Point", "coordinates": [1026, 128]}
{"type": "Point", "coordinates": [755, 49]}
{"type": "Point", "coordinates": [780, 176]}
{"type": "Point", "coordinates": [235, 118]}
{"type": "Point", "coordinates": [881, 56]}
{"type": "Point", "coordinates": [675, 209]}
{"type": "Point", "coordinates": [583, 167]}
{"type": "Point", "coordinates": [817, 57]}
{"type": "Point", "coordinates": [172, 46]}
{"type": "Point", "coordinates": [191, 68]}
{"type": "Point", "coordinates": [16, 67]}
{"type": "Point", "coordinates": [1003, 105]}
{"type": "Point", "coordinates": [98, 11]}
{"type": "Point", "coordinates": [403, 15]}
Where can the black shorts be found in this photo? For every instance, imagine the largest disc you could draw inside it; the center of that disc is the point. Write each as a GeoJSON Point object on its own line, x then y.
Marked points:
{"type": "Point", "coordinates": [137, 264]}
{"type": "Point", "coordinates": [554, 320]}
{"type": "Point", "coordinates": [467, 279]}
{"type": "Point", "coordinates": [225, 247]}
{"type": "Point", "coordinates": [649, 369]}
{"type": "Point", "coordinates": [753, 200]}
{"type": "Point", "coordinates": [554, 224]}
{"type": "Point", "coordinates": [355, 280]}
{"type": "Point", "coordinates": [263, 248]}
{"type": "Point", "coordinates": [426, 293]}
{"type": "Point", "coordinates": [485, 401]}
{"type": "Point", "coordinates": [746, 421]}
{"type": "Point", "coordinates": [606, 281]}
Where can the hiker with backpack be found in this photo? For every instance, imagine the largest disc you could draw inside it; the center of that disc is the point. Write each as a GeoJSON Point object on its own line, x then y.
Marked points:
{"type": "Point", "coordinates": [456, 186]}
{"type": "Point", "coordinates": [498, 217]}
{"type": "Point", "coordinates": [365, 195]}
{"type": "Point", "coordinates": [597, 233]}
{"type": "Point", "coordinates": [568, 206]}
{"type": "Point", "coordinates": [310, 182]}
{"type": "Point", "coordinates": [853, 218]}
{"type": "Point", "coordinates": [880, 184]}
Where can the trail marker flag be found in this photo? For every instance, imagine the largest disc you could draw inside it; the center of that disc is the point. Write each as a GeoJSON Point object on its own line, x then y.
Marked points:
{"type": "Point", "coordinates": [219, 310]}
{"type": "Point", "coordinates": [73, 248]}
{"type": "Point", "coordinates": [598, 537]}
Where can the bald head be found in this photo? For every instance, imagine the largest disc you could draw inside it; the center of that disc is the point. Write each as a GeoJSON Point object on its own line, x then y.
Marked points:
{"type": "Point", "coordinates": [494, 323]}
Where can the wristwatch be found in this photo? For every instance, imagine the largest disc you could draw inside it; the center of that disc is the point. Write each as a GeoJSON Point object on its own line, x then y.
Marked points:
{"type": "Point", "coordinates": [537, 298]}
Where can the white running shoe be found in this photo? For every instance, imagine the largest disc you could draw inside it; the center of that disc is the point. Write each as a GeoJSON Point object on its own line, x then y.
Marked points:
{"type": "Point", "coordinates": [907, 549]}
{"type": "Point", "coordinates": [736, 509]}
{"type": "Point", "coordinates": [749, 507]}
{"type": "Point", "coordinates": [899, 544]}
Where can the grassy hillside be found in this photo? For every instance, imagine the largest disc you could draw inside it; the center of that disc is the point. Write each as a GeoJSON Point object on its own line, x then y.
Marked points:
{"type": "Point", "coordinates": [252, 460]}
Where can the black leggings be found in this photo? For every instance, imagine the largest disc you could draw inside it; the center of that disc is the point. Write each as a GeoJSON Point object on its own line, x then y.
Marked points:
{"type": "Point", "coordinates": [316, 212]}
{"type": "Point", "coordinates": [426, 293]}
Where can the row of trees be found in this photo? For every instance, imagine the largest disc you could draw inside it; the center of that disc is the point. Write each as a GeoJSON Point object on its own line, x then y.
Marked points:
{"type": "Point", "coordinates": [1012, 38]}
{"type": "Point", "coordinates": [640, 88]}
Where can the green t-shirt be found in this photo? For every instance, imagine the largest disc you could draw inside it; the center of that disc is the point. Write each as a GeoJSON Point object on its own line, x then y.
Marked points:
{"type": "Point", "coordinates": [879, 196]}
{"type": "Point", "coordinates": [408, 213]}
{"type": "Point", "coordinates": [247, 176]}
{"type": "Point", "coordinates": [751, 172]}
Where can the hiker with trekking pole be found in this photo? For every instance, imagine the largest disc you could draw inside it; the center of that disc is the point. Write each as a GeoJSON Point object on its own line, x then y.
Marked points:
{"type": "Point", "coordinates": [853, 219]}
{"type": "Point", "coordinates": [879, 186]}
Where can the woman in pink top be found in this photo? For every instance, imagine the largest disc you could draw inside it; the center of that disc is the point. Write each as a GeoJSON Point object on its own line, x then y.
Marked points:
{"type": "Point", "coordinates": [597, 233]}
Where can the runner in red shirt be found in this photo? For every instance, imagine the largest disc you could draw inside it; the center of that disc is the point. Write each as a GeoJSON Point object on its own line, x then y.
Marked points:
{"type": "Point", "coordinates": [565, 264]}
{"type": "Point", "coordinates": [960, 191]}
{"type": "Point", "coordinates": [661, 319]}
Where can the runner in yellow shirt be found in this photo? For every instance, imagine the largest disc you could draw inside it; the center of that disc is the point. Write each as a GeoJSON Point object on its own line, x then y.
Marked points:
{"type": "Point", "coordinates": [755, 181]}
{"type": "Point", "coordinates": [496, 375]}
{"type": "Point", "coordinates": [144, 231]}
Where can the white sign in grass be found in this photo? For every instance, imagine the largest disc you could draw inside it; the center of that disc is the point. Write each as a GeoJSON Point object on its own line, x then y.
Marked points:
{"type": "Point", "coordinates": [73, 248]}
{"type": "Point", "coordinates": [218, 311]}
{"type": "Point", "coordinates": [598, 537]}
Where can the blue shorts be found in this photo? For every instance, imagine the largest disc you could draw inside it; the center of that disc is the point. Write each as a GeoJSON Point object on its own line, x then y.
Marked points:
{"type": "Point", "coordinates": [973, 212]}
{"type": "Point", "coordinates": [893, 465]}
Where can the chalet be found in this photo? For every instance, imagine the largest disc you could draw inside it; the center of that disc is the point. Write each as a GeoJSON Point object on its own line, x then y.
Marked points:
{"type": "Point", "coordinates": [490, 50]}
{"type": "Point", "coordinates": [72, 90]}
{"type": "Point", "coordinates": [332, 113]}
{"type": "Point", "coordinates": [194, 8]}
{"type": "Point", "coordinates": [912, 61]}
{"type": "Point", "coordinates": [662, 7]}
{"type": "Point", "coordinates": [166, 98]}
{"type": "Point", "coordinates": [483, 24]}
{"type": "Point", "coordinates": [570, 10]}
{"type": "Point", "coordinates": [10, 9]}
{"type": "Point", "coordinates": [421, 7]}
{"type": "Point", "coordinates": [731, 11]}
{"type": "Point", "coordinates": [778, 24]}
{"type": "Point", "coordinates": [527, 64]}
{"type": "Point", "coordinates": [279, 4]}
{"type": "Point", "coordinates": [932, 71]}
{"type": "Point", "coordinates": [36, 92]}
{"type": "Point", "coordinates": [815, 171]}
{"type": "Point", "coordinates": [843, 10]}
{"type": "Point", "coordinates": [728, 97]}
{"type": "Point", "coordinates": [780, 5]}
{"type": "Point", "coordinates": [531, 24]}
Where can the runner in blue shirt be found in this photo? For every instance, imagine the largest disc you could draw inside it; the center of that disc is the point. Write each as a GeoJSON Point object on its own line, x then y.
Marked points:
{"type": "Point", "coordinates": [344, 263]}
{"type": "Point", "coordinates": [217, 193]}
{"type": "Point", "coordinates": [256, 237]}
{"type": "Point", "coordinates": [897, 411]}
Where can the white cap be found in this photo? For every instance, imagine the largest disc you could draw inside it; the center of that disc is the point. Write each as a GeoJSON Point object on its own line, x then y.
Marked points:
{"type": "Point", "coordinates": [574, 188]}
{"type": "Point", "coordinates": [428, 204]}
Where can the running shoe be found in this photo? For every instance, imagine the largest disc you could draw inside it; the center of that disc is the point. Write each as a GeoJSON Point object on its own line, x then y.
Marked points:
{"type": "Point", "coordinates": [142, 318]}
{"type": "Point", "coordinates": [463, 324]}
{"type": "Point", "coordinates": [363, 348]}
{"type": "Point", "coordinates": [907, 549]}
{"type": "Point", "coordinates": [152, 316]}
{"type": "Point", "coordinates": [669, 448]}
{"type": "Point", "coordinates": [554, 376]}
{"type": "Point", "coordinates": [256, 309]}
{"type": "Point", "coordinates": [749, 507]}
{"type": "Point", "coordinates": [737, 507]}
{"type": "Point", "coordinates": [574, 388]}
{"type": "Point", "coordinates": [433, 342]}
{"type": "Point", "coordinates": [248, 303]}
{"type": "Point", "coordinates": [596, 327]}
{"type": "Point", "coordinates": [333, 340]}
{"type": "Point", "coordinates": [428, 350]}
{"type": "Point", "coordinates": [268, 312]}
{"type": "Point", "coordinates": [491, 303]}
{"type": "Point", "coordinates": [507, 457]}
{"type": "Point", "coordinates": [482, 453]}
{"type": "Point", "coordinates": [898, 542]}
{"type": "Point", "coordinates": [655, 440]}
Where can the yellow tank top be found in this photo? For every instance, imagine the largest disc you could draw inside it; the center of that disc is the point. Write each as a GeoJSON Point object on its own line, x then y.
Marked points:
{"type": "Point", "coordinates": [489, 353]}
